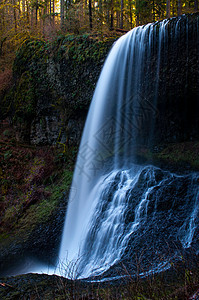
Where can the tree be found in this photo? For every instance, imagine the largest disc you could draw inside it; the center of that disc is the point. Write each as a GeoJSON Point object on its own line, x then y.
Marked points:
{"type": "Point", "coordinates": [179, 7]}
{"type": "Point", "coordinates": [195, 5]}
{"type": "Point", "coordinates": [62, 13]}
{"type": "Point", "coordinates": [121, 15]}
{"type": "Point", "coordinates": [168, 12]}
{"type": "Point", "coordinates": [20, 18]}
{"type": "Point", "coordinates": [137, 12]}
{"type": "Point", "coordinates": [90, 14]}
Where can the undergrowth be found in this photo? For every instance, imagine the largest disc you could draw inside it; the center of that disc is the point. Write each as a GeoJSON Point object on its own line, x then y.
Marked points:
{"type": "Point", "coordinates": [33, 179]}
{"type": "Point", "coordinates": [179, 283]}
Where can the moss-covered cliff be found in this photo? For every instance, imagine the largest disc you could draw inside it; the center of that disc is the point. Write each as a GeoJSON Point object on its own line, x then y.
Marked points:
{"type": "Point", "coordinates": [54, 83]}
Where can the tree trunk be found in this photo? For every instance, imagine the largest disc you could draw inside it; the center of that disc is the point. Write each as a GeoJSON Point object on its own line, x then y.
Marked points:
{"type": "Point", "coordinates": [2, 19]}
{"type": "Point", "coordinates": [117, 19]}
{"type": "Point", "coordinates": [53, 12]}
{"type": "Point", "coordinates": [121, 14]}
{"type": "Point", "coordinates": [108, 17]}
{"type": "Point", "coordinates": [130, 14]}
{"type": "Point", "coordinates": [137, 13]}
{"type": "Point", "coordinates": [100, 7]}
{"type": "Point", "coordinates": [44, 12]}
{"type": "Point", "coordinates": [19, 9]}
{"type": "Point", "coordinates": [179, 7]}
{"type": "Point", "coordinates": [111, 27]}
{"type": "Point", "coordinates": [112, 19]}
{"type": "Point", "coordinates": [90, 14]}
{"type": "Point", "coordinates": [23, 6]}
{"type": "Point", "coordinates": [173, 8]}
{"type": "Point", "coordinates": [50, 11]}
{"type": "Point", "coordinates": [62, 13]}
{"type": "Point", "coordinates": [195, 5]}
{"type": "Point", "coordinates": [27, 12]}
{"type": "Point", "coordinates": [153, 10]}
{"type": "Point", "coordinates": [101, 13]}
{"type": "Point", "coordinates": [36, 12]}
{"type": "Point", "coordinates": [168, 13]}
{"type": "Point", "coordinates": [14, 15]}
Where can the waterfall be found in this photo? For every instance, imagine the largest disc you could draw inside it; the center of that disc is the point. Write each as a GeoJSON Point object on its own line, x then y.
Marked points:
{"type": "Point", "coordinates": [126, 216]}
{"type": "Point", "coordinates": [117, 208]}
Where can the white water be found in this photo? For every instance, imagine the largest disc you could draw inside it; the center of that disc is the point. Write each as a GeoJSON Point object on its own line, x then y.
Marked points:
{"type": "Point", "coordinates": [108, 139]}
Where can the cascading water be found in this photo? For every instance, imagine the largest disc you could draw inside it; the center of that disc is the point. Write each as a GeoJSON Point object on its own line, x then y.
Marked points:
{"type": "Point", "coordinates": [119, 210]}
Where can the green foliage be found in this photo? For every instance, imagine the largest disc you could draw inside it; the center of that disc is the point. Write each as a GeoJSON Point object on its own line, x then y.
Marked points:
{"type": "Point", "coordinates": [81, 48]}
{"type": "Point", "coordinates": [7, 154]}
{"type": "Point", "coordinates": [24, 98]}
{"type": "Point", "coordinates": [10, 214]}
{"type": "Point", "coordinates": [7, 133]}
{"type": "Point", "coordinates": [41, 211]}
{"type": "Point", "coordinates": [85, 49]}
{"type": "Point", "coordinates": [57, 189]}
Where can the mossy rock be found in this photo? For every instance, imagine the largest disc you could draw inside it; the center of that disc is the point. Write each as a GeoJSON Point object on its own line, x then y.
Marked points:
{"type": "Point", "coordinates": [54, 81]}
{"type": "Point", "coordinates": [24, 100]}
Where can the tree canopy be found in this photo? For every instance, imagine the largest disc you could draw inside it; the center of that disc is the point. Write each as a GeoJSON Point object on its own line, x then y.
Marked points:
{"type": "Point", "coordinates": [21, 19]}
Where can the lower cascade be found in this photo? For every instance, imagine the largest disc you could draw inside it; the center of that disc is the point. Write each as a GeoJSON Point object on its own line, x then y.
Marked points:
{"type": "Point", "coordinates": [121, 212]}
{"type": "Point", "coordinates": [140, 212]}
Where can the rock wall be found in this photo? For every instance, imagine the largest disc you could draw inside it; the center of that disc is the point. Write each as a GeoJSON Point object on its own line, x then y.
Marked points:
{"type": "Point", "coordinates": [54, 84]}
{"type": "Point", "coordinates": [178, 99]}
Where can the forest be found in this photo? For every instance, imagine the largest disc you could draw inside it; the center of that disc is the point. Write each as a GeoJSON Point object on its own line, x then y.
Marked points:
{"type": "Point", "coordinates": [51, 56]}
{"type": "Point", "coordinates": [23, 19]}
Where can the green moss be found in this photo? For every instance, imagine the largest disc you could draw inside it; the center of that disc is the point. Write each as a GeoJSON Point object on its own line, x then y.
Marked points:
{"type": "Point", "coordinates": [24, 100]}
{"type": "Point", "coordinates": [40, 212]}
{"type": "Point", "coordinates": [81, 48]}
{"type": "Point", "coordinates": [64, 184]}
{"type": "Point", "coordinates": [186, 152]}
{"type": "Point", "coordinates": [18, 224]}
{"type": "Point", "coordinates": [7, 102]}
{"type": "Point", "coordinates": [36, 214]}
{"type": "Point", "coordinates": [29, 52]}
{"type": "Point", "coordinates": [74, 55]}
{"type": "Point", "coordinates": [10, 214]}
{"type": "Point", "coordinates": [3, 236]}
{"type": "Point", "coordinates": [21, 99]}
{"type": "Point", "coordinates": [183, 156]}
